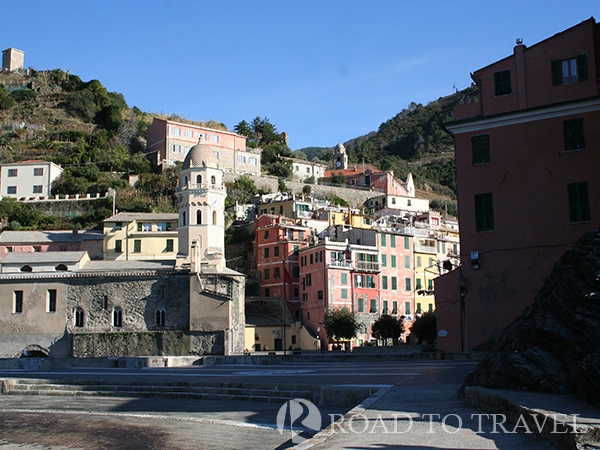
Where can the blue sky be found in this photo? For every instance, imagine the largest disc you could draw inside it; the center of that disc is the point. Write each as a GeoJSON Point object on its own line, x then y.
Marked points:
{"type": "Point", "coordinates": [325, 71]}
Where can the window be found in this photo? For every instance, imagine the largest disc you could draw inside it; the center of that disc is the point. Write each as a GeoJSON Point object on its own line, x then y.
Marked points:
{"type": "Point", "coordinates": [61, 267]}
{"type": "Point", "coordinates": [276, 272]}
{"type": "Point", "coordinates": [163, 226]}
{"type": "Point", "coordinates": [38, 171]}
{"type": "Point", "coordinates": [311, 258]}
{"type": "Point", "coordinates": [13, 172]}
{"type": "Point", "coordinates": [176, 148]}
{"type": "Point", "coordinates": [407, 262]}
{"type": "Point", "coordinates": [406, 242]}
{"type": "Point", "coordinates": [296, 248]}
{"type": "Point", "coordinates": [198, 217]}
{"type": "Point", "coordinates": [304, 297]}
{"type": "Point", "coordinates": [394, 283]}
{"type": "Point", "coordinates": [383, 260]}
{"type": "Point", "coordinates": [407, 284]}
{"type": "Point", "coordinates": [175, 131]}
{"type": "Point", "coordinates": [480, 148]}
{"type": "Point", "coordinates": [407, 308]}
{"type": "Point", "coordinates": [169, 246]}
{"type": "Point", "coordinates": [373, 305]}
{"type": "Point", "coordinates": [569, 70]}
{"type": "Point", "coordinates": [393, 240]}
{"type": "Point", "coordinates": [183, 218]}
{"type": "Point", "coordinates": [384, 282]}
{"type": "Point", "coordinates": [213, 180]}
{"type": "Point", "coordinates": [430, 307]}
{"type": "Point", "coordinates": [394, 307]}
{"type": "Point", "coordinates": [267, 292]}
{"type": "Point", "coordinates": [502, 83]}
{"type": "Point", "coordinates": [418, 309]}
{"type": "Point", "coordinates": [418, 283]}
{"type": "Point", "coordinates": [267, 274]}
{"type": "Point", "coordinates": [214, 138]}
{"type": "Point", "coordinates": [267, 252]}
{"type": "Point", "coordinates": [11, 189]}
{"type": "Point", "coordinates": [393, 261]}
{"type": "Point", "coordinates": [361, 306]}
{"type": "Point", "coordinates": [117, 317]}
{"type": "Point", "coordinates": [484, 212]}
{"type": "Point", "coordinates": [18, 302]}
{"type": "Point", "coordinates": [145, 226]}
{"type": "Point", "coordinates": [137, 246]}
{"type": "Point", "coordinates": [430, 285]}
{"type": "Point", "coordinates": [188, 133]}
{"type": "Point", "coordinates": [38, 189]}
{"type": "Point", "coordinates": [161, 317]}
{"type": "Point", "coordinates": [118, 246]}
{"type": "Point", "coordinates": [118, 225]}
{"type": "Point", "coordinates": [276, 251]}
{"type": "Point", "coordinates": [26, 268]}
{"type": "Point", "coordinates": [51, 305]}
{"type": "Point", "coordinates": [9, 249]}
{"type": "Point", "coordinates": [579, 202]}
{"type": "Point", "coordinates": [383, 240]}
{"type": "Point", "coordinates": [419, 261]}
{"type": "Point", "coordinates": [241, 159]}
{"type": "Point", "coordinates": [385, 307]}
{"type": "Point", "coordinates": [573, 134]}
{"type": "Point", "coordinates": [296, 272]}
{"type": "Point", "coordinates": [344, 278]}
{"type": "Point", "coordinates": [344, 294]}
{"type": "Point", "coordinates": [63, 248]}
{"type": "Point", "coordinates": [37, 248]}
{"type": "Point", "coordinates": [79, 317]}
{"type": "Point", "coordinates": [252, 161]}
{"type": "Point", "coordinates": [320, 295]}
{"type": "Point", "coordinates": [266, 234]}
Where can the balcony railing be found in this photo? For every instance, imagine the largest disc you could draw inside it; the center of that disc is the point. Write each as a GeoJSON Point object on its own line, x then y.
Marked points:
{"type": "Point", "coordinates": [338, 263]}
{"type": "Point", "coordinates": [368, 266]}
{"type": "Point", "coordinates": [425, 248]}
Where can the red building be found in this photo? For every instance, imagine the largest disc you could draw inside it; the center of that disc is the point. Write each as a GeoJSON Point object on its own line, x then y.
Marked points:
{"type": "Point", "coordinates": [371, 178]}
{"type": "Point", "coordinates": [527, 158]}
{"type": "Point", "coordinates": [278, 243]}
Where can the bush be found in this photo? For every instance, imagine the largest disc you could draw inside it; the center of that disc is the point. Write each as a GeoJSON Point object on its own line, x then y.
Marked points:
{"type": "Point", "coordinates": [23, 95]}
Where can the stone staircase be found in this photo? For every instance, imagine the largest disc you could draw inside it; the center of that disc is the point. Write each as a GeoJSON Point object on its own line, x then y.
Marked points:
{"type": "Point", "coordinates": [274, 393]}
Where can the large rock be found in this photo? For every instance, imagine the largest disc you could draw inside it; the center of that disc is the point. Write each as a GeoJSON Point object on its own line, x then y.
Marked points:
{"type": "Point", "coordinates": [554, 346]}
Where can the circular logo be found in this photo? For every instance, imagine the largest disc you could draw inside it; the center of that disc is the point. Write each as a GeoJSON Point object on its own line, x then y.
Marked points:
{"type": "Point", "coordinates": [300, 410]}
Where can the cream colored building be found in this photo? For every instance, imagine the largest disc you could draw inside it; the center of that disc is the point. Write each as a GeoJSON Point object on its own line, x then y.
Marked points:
{"type": "Point", "coordinates": [303, 169]}
{"type": "Point", "coordinates": [141, 236]}
{"type": "Point", "coordinates": [28, 179]}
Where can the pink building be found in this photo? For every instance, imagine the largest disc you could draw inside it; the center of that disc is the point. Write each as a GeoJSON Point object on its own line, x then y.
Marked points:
{"type": "Point", "coordinates": [363, 270]}
{"type": "Point", "coordinates": [372, 178]}
{"type": "Point", "coordinates": [527, 158]}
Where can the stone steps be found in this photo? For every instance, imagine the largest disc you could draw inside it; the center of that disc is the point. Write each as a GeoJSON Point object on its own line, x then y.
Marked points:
{"type": "Point", "coordinates": [199, 391]}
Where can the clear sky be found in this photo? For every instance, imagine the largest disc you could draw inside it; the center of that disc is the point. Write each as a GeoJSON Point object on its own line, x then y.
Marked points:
{"type": "Point", "coordinates": [325, 71]}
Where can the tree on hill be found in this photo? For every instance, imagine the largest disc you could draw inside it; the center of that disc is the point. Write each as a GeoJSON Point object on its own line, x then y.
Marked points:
{"type": "Point", "coordinates": [260, 133]}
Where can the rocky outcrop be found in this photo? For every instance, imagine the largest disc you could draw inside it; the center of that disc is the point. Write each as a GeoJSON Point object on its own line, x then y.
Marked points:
{"type": "Point", "coordinates": [554, 346]}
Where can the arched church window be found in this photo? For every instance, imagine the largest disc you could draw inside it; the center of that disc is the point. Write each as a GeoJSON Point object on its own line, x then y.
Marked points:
{"type": "Point", "coordinates": [213, 180]}
{"type": "Point", "coordinates": [26, 268]}
{"type": "Point", "coordinates": [79, 317]}
{"type": "Point", "coordinates": [61, 267]}
{"type": "Point", "coordinates": [199, 217]}
{"type": "Point", "coordinates": [214, 217]}
{"type": "Point", "coordinates": [161, 317]}
{"type": "Point", "coordinates": [199, 179]}
{"type": "Point", "coordinates": [185, 181]}
{"type": "Point", "coordinates": [183, 218]}
{"type": "Point", "coordinates": [117, 317]}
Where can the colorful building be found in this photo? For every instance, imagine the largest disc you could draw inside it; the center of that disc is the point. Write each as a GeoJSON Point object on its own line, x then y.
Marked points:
{"type": "Point", "coordinates": [143, 236]}
{"type": "Point", "coordinates": [527, 160]}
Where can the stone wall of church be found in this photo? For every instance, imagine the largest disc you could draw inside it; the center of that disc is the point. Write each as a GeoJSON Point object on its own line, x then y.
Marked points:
{"type": "Point", "coordinates": [138, 298]}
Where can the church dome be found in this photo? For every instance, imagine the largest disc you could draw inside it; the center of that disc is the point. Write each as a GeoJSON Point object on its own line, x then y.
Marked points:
{"type": "Point", "coordinates": [201, 155]}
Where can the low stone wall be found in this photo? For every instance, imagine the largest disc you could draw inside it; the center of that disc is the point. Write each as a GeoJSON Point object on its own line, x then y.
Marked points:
{"type": "Point", "coordinates": [355, 197]}
{"type": "Point", "coordinates": [151, 343]}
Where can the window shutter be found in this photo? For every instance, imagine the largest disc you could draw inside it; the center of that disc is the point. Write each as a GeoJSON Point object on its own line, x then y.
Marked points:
{"type": "Point", "coordinates": [582, 73]}
{"type": "Point", "coordinates": [556, 73]}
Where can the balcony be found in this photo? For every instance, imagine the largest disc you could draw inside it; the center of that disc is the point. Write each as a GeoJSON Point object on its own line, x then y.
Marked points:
{"type": "Point", "coordinates": [368, 266]}
{"type": "Point", "coordinates": [337, 263]}
{"type": "Point", "coordinates": [420, 248]}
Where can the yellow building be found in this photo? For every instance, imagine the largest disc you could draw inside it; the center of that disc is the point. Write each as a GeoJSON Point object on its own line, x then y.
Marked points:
{"type": "Point", "coordinates": [346, 216]}
{"type": "Point", "coordinates": [426, 268]}
{"type": "Point", "coordinates": [143, 236]}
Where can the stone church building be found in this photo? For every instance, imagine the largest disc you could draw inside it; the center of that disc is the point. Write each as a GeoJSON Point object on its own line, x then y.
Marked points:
{"type": "Point", "coordinates": [63, 304]}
